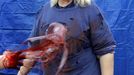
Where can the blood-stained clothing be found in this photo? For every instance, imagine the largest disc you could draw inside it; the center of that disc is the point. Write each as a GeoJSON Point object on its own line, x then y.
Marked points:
{"type": "Point", "coordinates": [88, 37]}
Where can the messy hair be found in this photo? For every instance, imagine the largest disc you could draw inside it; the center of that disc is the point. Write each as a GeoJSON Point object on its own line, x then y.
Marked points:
{"type": "Point", "coordinates": [81, 3]}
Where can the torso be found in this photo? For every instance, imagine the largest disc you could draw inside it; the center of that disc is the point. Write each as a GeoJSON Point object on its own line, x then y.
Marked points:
{"type": "Point", "coordinates": [77, 21]}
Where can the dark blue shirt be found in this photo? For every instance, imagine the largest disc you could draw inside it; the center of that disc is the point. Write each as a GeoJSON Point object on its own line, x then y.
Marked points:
{"type": "Point", "coordinates": [88, 37]}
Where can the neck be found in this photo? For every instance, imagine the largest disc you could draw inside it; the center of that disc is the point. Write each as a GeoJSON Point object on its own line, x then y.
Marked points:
{"type": "Point", "coordinates": [64, 3]}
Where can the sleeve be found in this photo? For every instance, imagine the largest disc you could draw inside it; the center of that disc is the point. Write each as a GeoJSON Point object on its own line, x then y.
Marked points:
{"type": "Point", "coordinates": [36, 27]}
{"type": "Point", "coordinates": [101, 37]}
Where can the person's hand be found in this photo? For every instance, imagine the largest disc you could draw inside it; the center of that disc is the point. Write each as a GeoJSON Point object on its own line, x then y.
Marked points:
{"type": "Point", "coordinates": [10, 59]}
{"type": "Point", "coordinates": [28, 62]}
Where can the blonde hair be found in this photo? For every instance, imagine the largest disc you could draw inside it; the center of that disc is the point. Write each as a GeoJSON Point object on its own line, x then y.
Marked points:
{"type": "Point", "coordinates": [81, 3]}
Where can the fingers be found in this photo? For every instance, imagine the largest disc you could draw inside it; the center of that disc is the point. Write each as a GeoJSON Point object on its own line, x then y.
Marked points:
{"type": "Point", "coordinates": [27, 65]}
{"type": "Point", "coordinates": [27, 60]}
{"type": "Point", "coordinates": [33, 55]}
{"type": "Point", "coordinates": [27, 55]}
{"type": "Point", "coordinates": [23, 70]}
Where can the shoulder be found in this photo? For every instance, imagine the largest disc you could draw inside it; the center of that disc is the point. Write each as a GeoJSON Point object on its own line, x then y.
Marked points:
{"type": "Point", "coordinates": [44, 7]}
{"type": "Point", "coordinates": [92, 8]}
{"type": "Point", "coordinates": [43, 10]}
{"type": "Point", "coordinates": [94, 11]}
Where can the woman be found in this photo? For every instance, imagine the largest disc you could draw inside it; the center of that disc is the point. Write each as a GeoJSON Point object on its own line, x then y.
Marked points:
{"type": "Point", "coordinates": [89, 40]}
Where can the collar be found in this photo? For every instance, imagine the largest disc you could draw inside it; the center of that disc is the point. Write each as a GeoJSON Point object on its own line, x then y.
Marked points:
{"type": "Point", "coordinates": [68, 6]}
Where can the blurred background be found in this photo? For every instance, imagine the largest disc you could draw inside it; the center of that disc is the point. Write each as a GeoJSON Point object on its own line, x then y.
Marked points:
{"type": "Point", "coordinates": [18, 16]}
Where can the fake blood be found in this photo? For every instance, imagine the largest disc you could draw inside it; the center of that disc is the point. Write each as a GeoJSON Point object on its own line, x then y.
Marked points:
{"type": "Point", "coordinates": [11, 58]}
{"type": "Point", "coordinates": [51, 45]}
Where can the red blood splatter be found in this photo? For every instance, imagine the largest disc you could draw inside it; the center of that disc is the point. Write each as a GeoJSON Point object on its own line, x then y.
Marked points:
{"type": "Point", "coordinates": [50, 46]}
{"type": "Point", "coordinates": [10, 59]}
